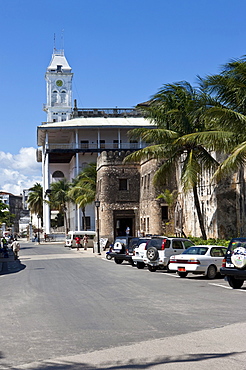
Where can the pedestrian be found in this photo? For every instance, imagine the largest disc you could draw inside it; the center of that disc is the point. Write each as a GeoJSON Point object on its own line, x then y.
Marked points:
{"type": "Point", "coordinates": [127, 230]}
{"type": "Point", "coordinates": [85, 241]}
{"type": "Point", "coordinates": [16, 247]}
{"type": "Point", "coordinates": [5, 243]}
{"type": "Point", "coordinates": [77, 241]}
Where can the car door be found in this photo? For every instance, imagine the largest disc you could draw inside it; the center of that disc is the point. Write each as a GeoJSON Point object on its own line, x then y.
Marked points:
{"type": "Point", "coordinates": [177, 247]}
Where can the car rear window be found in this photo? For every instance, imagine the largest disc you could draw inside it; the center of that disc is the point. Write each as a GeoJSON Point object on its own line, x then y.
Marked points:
{"type": "Point", "coordinates": [157, 243]}
{"type": "Point", "coordinates": [196, 250]}
{"type": "Point", "coordinates": [237, 243]}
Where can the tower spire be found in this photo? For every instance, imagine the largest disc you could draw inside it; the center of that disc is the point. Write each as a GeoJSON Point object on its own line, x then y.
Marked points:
{"type": "Point", "coordinates": [54, 42]}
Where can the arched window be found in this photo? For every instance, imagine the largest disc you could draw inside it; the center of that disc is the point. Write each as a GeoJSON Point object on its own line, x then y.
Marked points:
{"type": "Point", "coordinates": [58, 175]}
{"type": "Point", "coordinates": [54, 97]}
{"type": "Point", "coordinates": [63, 96]}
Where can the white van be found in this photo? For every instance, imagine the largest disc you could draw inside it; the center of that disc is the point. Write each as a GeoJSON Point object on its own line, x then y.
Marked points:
{"type": "Point", "coordinates": [70, 238]}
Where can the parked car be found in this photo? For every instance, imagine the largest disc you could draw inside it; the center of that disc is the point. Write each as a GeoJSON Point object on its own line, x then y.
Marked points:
{"type": "Point", "coordinates": [138, 252]}
{"type": "Point", "coordinates": [200, 259]}
{"type": "Point", "coordinates": [122, 249]}
{"type": "Point", "coordinates": [159, 249]}
{"type": "Point", "coordinates": [234, 263]}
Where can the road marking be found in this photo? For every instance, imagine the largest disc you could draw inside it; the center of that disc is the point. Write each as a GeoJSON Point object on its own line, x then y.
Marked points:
{"type": "Point", "coordinates": [227, 287]}
{"type": "Point", "coordinates": [220, 285]}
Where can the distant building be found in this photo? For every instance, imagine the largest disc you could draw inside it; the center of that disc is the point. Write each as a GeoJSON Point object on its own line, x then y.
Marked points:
{"type": "Point", "coordinates": [14, 203]}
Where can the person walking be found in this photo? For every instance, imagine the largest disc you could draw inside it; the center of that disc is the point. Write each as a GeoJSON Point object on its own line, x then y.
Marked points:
{"type": "Point", "coordinates": [16, 247]}
{"type": "Point", "coordinates": [77, 241]}
{"type": "Point", "coordinates": [85, 241]}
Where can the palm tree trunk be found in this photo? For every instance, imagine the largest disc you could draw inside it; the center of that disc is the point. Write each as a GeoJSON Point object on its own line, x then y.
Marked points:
{"type": "Point", "coordinates": [199, 213]}
{"type": "Point", "coordinates": [83, 211]}
{"type": "Point", "coordinates": [65, 222]}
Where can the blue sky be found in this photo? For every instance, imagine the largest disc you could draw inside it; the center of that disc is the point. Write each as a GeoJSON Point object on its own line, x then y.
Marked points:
{"type": "Point", "coordinates": [121, 52]}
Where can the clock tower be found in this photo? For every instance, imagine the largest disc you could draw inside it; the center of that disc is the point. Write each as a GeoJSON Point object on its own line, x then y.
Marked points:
{"type": "Point", "coordinates": [59, 88]}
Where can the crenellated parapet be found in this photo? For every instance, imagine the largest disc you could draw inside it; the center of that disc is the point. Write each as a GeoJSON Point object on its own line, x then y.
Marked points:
{"type": "Point", "coordinates": [112, 158]}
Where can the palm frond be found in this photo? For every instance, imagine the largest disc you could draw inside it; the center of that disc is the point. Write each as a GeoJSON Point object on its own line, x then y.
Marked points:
{"type": "Point", "coordinates": [232, 163]}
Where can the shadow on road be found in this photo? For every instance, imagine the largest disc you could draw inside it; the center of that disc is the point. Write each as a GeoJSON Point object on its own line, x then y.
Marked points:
{"type": "Point", "coordinates": [130, 364]}
{"type": "Point", "coordinates": [7, 271]}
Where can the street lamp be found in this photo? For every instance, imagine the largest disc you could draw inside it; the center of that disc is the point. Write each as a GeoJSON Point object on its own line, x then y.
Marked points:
{"type": "Point", "coordinates": [97, 205]}
{"type": "Point", "coordinates": [38, 229]}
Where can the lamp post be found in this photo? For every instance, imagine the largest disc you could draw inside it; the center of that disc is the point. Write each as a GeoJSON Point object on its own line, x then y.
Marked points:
{"type": "Point", "coordinates": [38, 229]}
{"type": "Point", "coordinates": [97, 205]}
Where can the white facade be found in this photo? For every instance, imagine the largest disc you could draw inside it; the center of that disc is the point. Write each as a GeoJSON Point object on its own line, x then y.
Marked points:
{"type": "Point", "coordinates": [59, 88]}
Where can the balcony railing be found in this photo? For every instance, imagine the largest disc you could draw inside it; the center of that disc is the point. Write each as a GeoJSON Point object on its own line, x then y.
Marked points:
{"type": "Point", "coordinates": [106, 112]}
{"type": "Point", "coordinates": [95, 147]}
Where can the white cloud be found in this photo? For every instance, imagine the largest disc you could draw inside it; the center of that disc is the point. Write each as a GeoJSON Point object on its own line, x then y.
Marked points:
{"type": "Point", "coordinates": [19, 171]}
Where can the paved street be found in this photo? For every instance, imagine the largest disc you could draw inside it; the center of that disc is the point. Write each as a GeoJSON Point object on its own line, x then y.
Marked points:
{"type": "Point", "coordinates": [69, 309]}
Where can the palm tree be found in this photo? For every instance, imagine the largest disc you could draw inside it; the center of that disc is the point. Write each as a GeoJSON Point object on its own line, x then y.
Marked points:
{"type": "Point", "coordinates": [83, 189]}
{"type": "Point", "coordinates": [178, 110]}
{"type": "Point", "coordinates": [35, 199]}
{"type": "Point", "coordinates": [229, 88]}
{"type": "Point", "coordinates": [59, 198]}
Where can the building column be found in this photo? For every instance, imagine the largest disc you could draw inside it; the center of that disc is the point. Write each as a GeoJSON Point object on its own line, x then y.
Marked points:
{"type": "Point", "coordinates": [119, 143]}
{"type": "Point", "coordinates": [78, 210]}
{"type": "Point", "coordinates": [46, 186]}
{"type": "Point", "coordinates": [98, 141]}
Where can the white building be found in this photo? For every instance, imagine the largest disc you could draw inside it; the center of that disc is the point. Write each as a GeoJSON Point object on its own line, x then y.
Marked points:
{"type": "Point", "coordinates": [68, 145]}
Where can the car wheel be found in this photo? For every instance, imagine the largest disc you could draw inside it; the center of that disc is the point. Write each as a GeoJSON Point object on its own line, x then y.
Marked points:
{"type": "Point", "coordinates": [182, 274]}
{"type": "Point", "coordinates": [116, 260]}
{"type": "Point", "coordinates": [131, 262]}
{"type": "Point", "coordinates": [108, 257]}
{"type": "Point", "coordinates": [211, 272]}
{"type": "Point", "coordinates": [152, 254]}
{"type": "Point", "coordinates": [152, 268]}
{"type": "Point", "coordinates": [235, 283]}
{"type": "Point", "coordinates": [140, 265]}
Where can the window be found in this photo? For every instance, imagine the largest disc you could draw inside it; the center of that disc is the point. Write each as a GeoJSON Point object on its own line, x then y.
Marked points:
{"type": "Point", "coordinates": [133, 144]}
{"type": "Point", "coordinates": [187, 244]}
{"type": "Point", "coordinates": [87, 222]}
{"type": "Point", "coordinates": [84, 144]}
{"type": "Point", "coordinates": [63, 96]}
{"type": "Point", "coordinates": [177, 244]}
{"type": "Point", "coordinates": [123, 184]}
{"type": "Point", "coordinates": [116, 144]}
{"type": "Point", "coordinates": [102, 144]}
{"type": "Point", "coordinates": [58, 174]}
{"type": "Point", "coordinates": [164, 213]}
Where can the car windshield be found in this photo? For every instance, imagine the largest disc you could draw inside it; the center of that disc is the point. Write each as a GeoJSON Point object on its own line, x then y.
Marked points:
{"type": "Point", "coordinates": [196, 250]}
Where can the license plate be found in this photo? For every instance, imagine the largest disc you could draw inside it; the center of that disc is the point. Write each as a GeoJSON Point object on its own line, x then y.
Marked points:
{"type": "Point", "coordinates": [181, 269]}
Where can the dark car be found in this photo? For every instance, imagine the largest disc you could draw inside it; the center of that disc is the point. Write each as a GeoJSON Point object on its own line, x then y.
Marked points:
{"type": "Point", "coordinates": [234, 263]}
{"type": "Point", "coordinates": [123, 249]}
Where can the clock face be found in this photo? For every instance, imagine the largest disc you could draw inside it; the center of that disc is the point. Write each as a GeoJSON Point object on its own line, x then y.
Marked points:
{"type": "Point", "coordinates": [59, 83]}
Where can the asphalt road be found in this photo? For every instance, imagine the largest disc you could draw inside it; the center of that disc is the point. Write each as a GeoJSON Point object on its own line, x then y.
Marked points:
{"type": "Point", "coordinates": [69, 309]}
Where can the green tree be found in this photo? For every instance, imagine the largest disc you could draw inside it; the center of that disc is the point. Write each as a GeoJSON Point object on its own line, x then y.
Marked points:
{"type": "Point", "coordinates": [83, 189]}
{"type": "Point", "coordinates": [35, 199]}
{"type": "Point", "coordinates": [178, 111]}
{"type": "Point", "coordinates": [59, 198]}
{"type": "Point", "coordinates": [229, 116]}
{"type": "Point", "coordinates": [5, 216]}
